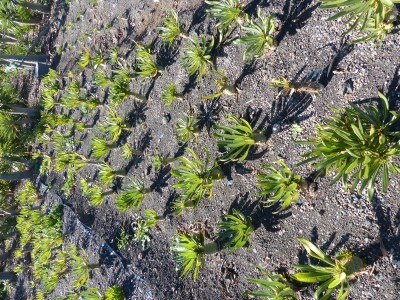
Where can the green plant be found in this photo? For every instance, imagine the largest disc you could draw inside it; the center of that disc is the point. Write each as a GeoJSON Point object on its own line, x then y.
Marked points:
{"type": "Point", "coordinates": [189, 250]}
{"type": "Point", "coordinates": [128, 152]}
{"type": "Point", "coordinates": [273, 287]}
{"type": "Point", "coordinates": [108, 175]}
{"type": "Point", "coordinates": [374, 16]}
{"type": "Point", "coordinates": [142, 227]}
{"type": "Point", "coordinates": [169, 95]}
{"type": "Point", "coordinates": [227, 12]}
{"type": "Point", "coordinates": [197, 55]}
{"type": "Point", "coordinates": [123, 239]}
{"type": "Point", "coordinates": [195, 179]}
{"type": "Point", "coordinates": [358, 144]}
{"type": "Point", "coordinates": [171, 28]}
{"type": "Point", "coordinates": [186, 129]}
{"type": "Point", "coordinates": [85, 58]}
{"type": "Point", "coordinates": [114, 125]}
{"type": "Point", "coordinates": [258, 36]}
{"type": "Point", "coordinates": [101, 78]}
{"type": "Point", "coordinates": [145, 63]}
{"type": "Point", "coordinates": [112, 293]}
{"type": "Point", "coordinates": [78, 261]}
{"type": "Point", "coordinates": [338, 272]}
{"type": "Point", "coordinates": [101, 148]}
{"type": "Point", "coordinates": [235, 230]}
{"type": "Point", "coordinates": [280, 186]}
{"type": "Point", "coordinates": [238, 138]}
{"type": "Point", "coordinates": [158, 161]}
{"type": "Point", "coordinates": [222, 85]}
{"type": "Point", "coordinates": [119, 88]}
{"type": "Point", "coordinates": [132, 196]}
{"type": "Point", "coordinates": [93, 192]}
{"type": "Point", "coordinates": [296, 130]}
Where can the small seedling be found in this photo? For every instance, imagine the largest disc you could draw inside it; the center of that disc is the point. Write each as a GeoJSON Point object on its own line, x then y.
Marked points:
{"type": "Point", "coordinates": [273, 287]}
{"type": "Point", "coordinates": [80, 266]}
{"type": "Point", "coordinates": [158, 161]}
{"type": "Point", "coordinates": [259, 36]}
{"type": "Point", "coordinates": [169, 95]}
{"type": "Point", "coordinates": [238, 139]}
{"type": "Point", "coordinates": [358, 144]}
{"type": "Point", "coordinates": [112, 293]}
{"type": "Point", "coordinates": [222, 85]}
{"type": "Point", "coordinates": [296, 130]}
{"type": "Point", "coordinates": [93, 192]}
{"type": "Point", "coordinates": [189, 250]}
{"type": "Point", "coordinates": [227, 12]}
{"type": "Point", "coordinates": [235, 230]}
{"type": "Point", "coordinates": [128, 152]}
{"type": "Point", "coordinates": [142, 227]}
{"type": "Point", "coordinates": [101, 148]}
{"type": "Point", "coordinates": [108, 175]}
{"type": "Point", "coordinates": [195, 179]}
{"type": "Point", "coordinates": [171, 28]}
{"type": "Point", "coordinates": [281, 186]}
{"type": "Point", "coordinates": [197, 55]}
{"type": "Point", "coordinates": [101, 79]}
{"type": "Point", "coordinates": [114, 125]}
{"type": "Point", "coordinates": [339, 271]}
{"type": "Point", "coordinates": [132, 196]}
{"type": "Point", "coordinates": [187, 129]}
{"type": "Point", "coordinates": [85, 58]}
{"type": "Point", "coordinates": [147, 67]}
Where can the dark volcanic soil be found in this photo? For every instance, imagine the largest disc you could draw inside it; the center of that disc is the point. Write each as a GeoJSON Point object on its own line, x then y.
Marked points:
{"type": "Point", "coordinates": [334, 219]}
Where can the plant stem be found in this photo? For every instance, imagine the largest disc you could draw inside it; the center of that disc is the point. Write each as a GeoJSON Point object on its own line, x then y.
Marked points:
{"type": "Point", "coordinates": [16, 175]}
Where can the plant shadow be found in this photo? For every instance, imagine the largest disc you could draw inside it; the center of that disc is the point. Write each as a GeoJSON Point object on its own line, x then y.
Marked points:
{"type": "Point", "coordinates": [294, 17]}
{"type": "Point", "coordinates": [260, 215]}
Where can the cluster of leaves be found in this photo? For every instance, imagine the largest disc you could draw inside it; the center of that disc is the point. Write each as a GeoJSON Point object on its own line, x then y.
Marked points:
{"type": "Point", "coordinates": [358, 144]}
{"type": "Point", "coordinates": [373, 18]}
{"type": "Point", "coordinates": [195, 179]}
{"type": "Point", "coordinates": [132, 196]}
{"type": "Point", "coordinates": [238, 138]}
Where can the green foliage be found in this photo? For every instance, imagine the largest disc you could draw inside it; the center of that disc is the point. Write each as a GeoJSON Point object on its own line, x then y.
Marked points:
{"type": "Point", "coordinates": [375, 17]}
{"type": "Point", "coordinates": [188, 249]}
{"type": "Point", "coordinates": [113, 125]}
{"type": "Point", "coordinates": [222, 85]}
{"type": "Point", "coordinates": [132, 196]}
{"type": "Point", "coordinates": [235, 230]}
{"type": "Point", "coordinates": [108, 175]}
{"type": "Point", "coordinates": [78, 261]}
{"type": "Point", "coordinates": [112, 293]}
{"type": "Point", "coordinates": [279, 185]}
{"type": "Point", "coordinates": [85, 59]}
{"type": "Point", "coordinates": [337, 274]}
{"type": "Point", "coordinates": [258, 36]}
{"type": "Point", "coordinates": [158, 161]}
{"type": "Point", "coordinates": [69, 182]}
{"type": "Point", "coordinates": [101, 148]}
{"type": "Point", "coordinates": [238, 139]}
{"type": "Point", "coordinates": [273, 287]}
{"type": "Point", "coordinates": [195, 179]}
{"type": "Point", "coordinates": [119, 89]}
{"type": "Point", "coordinates": [197, 55]}
{"type": "Point", "coordinates": [186, 129]}
{"type": "Point", "coordinates": [227, 12]}
{"type": "Point", "coordinates": [171, 28]}
{"type": "Point", "coordinates": [142, 227]}
{"type": "Point", "coordinates": [145, 63]}
{"type": "Point", "coordinates": [169, 95]}
{"type": "Point", "coordinates": [41, 235]}
{"type": "Point", "coordinates": [101, 78]}
{"type": "Point", "coordinates": [358, 144]}
{"type": "Point", "coordinates": [93, 192]}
